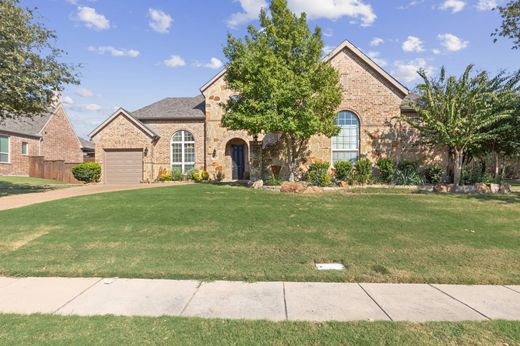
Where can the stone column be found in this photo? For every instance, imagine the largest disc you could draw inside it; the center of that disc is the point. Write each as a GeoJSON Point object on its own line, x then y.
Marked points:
{"type": "Point", "coordinates": [256, 160]}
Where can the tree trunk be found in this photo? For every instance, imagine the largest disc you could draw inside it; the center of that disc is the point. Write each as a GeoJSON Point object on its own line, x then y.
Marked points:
{"type": "Point", "coordinates": [457, 166]}
{"type": "Point", "coordinates": [497, 166]}
{"type": "Point", "coordinates": [289, 143]}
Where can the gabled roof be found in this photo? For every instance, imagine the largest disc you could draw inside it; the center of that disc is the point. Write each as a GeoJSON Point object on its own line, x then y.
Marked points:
{"type": "Point", "coordinates": [345, 45]}
{"type": "Point", "coordinates": [173, 108]}
{"type": "Point", "coordinates": [86, 144]}
{"type": "Point", "coordinates": [28, 126]}
{"type": "Point", "coordinates": [148, 131]}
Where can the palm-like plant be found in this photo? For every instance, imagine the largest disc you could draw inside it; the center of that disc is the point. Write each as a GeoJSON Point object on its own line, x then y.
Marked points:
{"type": "Point", "coordinates": [458, 113]}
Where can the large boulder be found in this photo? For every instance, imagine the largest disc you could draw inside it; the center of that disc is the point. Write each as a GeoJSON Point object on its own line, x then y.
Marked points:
{"type": "Point", "coordinates": [505, 188]}
{"type": "Point", "coordinates": [343, 184]}
{"type": "Point", "coordinates": [495, 188]}
{"type": "Point", "coordinates": [314, 189]}
{"type": "Point", "coordinates": [482, 188]}
{"type": "Point", "coordinates": [292, 187]}
{"type": "Point", "coordinates": [441, 188]}
{"type": "Point", "coordinates": [257, 185]}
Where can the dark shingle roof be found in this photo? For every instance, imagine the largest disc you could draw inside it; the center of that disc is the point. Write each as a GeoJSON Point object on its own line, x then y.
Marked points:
{"type": "Point", "coordinates": [173, 108]}
{"type": "Point", "coordinates": [85, 144]}
{"type": "Point", "coordinates": [410, 101]}
{"type": "Point", "coordinates": [25, 125]}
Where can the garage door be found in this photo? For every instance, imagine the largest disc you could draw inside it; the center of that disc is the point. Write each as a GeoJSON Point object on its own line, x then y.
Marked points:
{"type": "Point", "coordinates": [123, 167]}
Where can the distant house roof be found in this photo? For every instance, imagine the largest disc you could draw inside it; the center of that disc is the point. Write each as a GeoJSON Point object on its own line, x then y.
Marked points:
{"type": "Point", "coordinates": [86, 145]}
{"type": "Point", "coordinates": [410, 101]}
{"type": "Point", "coordinates": [29, 126]}
{"type": "Point", "coordinates": [173, 108]}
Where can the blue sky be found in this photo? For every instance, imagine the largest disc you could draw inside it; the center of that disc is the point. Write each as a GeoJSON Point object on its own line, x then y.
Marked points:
{"type": "Point", "coordinates": [134, 53]}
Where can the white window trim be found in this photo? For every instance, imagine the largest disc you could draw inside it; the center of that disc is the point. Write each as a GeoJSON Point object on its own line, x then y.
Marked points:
{"type": "Point", "coordinates": [27, 145]}
{"type": "Point", "coordinates": [183, 143]}
{"type": "Point", "coordinates": [8, 150]}
{"type": "Point", "coordinates": [358, 150]}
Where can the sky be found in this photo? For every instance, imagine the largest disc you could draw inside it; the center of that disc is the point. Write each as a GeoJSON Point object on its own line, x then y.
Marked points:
{"type": "Point", "coordinates": [134, 53]}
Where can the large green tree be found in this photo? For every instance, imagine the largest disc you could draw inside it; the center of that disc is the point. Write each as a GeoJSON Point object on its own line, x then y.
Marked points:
{"type": "Point", "coordinates": [30, 71]}
{"type": "Point", "coordinates": [460, 113]}
{"type": "Point", "coordinates": [510, 27]}
{"type": "Point", "coordinates": [283, 86]}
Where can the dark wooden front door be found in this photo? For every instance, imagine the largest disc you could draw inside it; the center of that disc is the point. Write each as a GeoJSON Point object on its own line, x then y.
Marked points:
{"type": "Point", "coordinates": [238, 157]}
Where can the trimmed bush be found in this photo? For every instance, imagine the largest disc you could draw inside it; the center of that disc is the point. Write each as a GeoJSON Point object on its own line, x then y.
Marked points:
{"type": "Point", "coordinates": [88, 172]}
{"type": "Point", "coordinates": [407, 173]}
{"type": "Point", "coordinates": [343, 170]}
{"type": "Point", "coordinates": [177, 174]}
{"type": "Point", "coordinates": [164, 175]}
{"type": "Point", "coordinates": [273, 180]}
{"type": "Point", "coordinates": [318, 174]}
{"type": "Point", "coordinates": [433, 174]}
{"type": "Point", "coordinates": [363, 171]}
{"type": "Point", "coordinates": [386, 169]}
{"type": "Point", "coordinates": [196, 176]}
{"type": "Point", "coordinates": [204, 175]}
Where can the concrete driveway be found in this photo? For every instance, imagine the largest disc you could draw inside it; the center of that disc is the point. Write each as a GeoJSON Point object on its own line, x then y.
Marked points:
{"type": "Point", "coordinates": [23, 200]}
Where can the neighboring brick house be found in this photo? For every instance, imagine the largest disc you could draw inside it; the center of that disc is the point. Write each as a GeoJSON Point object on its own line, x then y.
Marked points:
{"type": "Point", "coordinates": [49, 135]}
{"type": "Point", "coordinates": [187, 132]}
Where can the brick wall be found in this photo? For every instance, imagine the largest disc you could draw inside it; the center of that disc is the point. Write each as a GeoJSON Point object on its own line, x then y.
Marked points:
{"type": "Point", "coordinates": [19, 164]}
{"type": "Point", "coordinates": [59, 139]}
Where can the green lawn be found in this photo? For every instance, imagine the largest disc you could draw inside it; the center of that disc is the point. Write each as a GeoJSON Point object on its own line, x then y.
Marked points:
{"type": "Point", "coordinates": [221, 232]}
{"type": "Point", "coordinates": [58, 330]}
{"type": "Point", "coordinates": [10, 185]}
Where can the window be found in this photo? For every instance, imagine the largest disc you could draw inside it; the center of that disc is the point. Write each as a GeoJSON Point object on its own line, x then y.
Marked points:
{"type": "Point", "coordinates": [345, 146]}
{"type": "Point", "coordinates": [183, 151]}
{"type": "Point", "coordinates": [25, 148]}
{"type": "Point", "coordinates": [4, 149]}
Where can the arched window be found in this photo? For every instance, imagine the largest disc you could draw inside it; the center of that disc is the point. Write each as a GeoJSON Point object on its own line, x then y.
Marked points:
{"type": "Point", "coordinates": [345, 146]}
{"type": "Point", "coordinates": [183, 151]}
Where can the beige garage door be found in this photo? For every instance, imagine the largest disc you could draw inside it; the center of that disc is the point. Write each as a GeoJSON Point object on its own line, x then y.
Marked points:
{"type": "Point", "coordinates": [123, 166]}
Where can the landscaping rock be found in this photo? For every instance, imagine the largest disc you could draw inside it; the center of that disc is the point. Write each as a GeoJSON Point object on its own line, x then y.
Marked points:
{"type": "Point", "coordinates": [505, 188]}
{"type": "Point", "coordinates": [293, 187]}
{"type": "Point", "coordinates": [482, 188]}
{"type": "Point", "coordinates": [257, 185]}
{"type": "Point", "coordinates": [441, 188]}
{"type": "Point", "coordinates": [314, 189]}
{"type": "Point", "coordinates": [343, 184]}
{"type": "Point", "coordinates": [495, 188]}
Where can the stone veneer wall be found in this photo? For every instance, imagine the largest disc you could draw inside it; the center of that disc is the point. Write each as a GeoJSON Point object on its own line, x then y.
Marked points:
{"type": "Point", "coordinates": [19, 164]}
{"type": "Point", "coordinates": [121, 133]}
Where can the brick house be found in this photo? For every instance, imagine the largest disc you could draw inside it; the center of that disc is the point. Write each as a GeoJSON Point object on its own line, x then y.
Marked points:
{"type": "Point", "coordinates": [186, 133]}
{"type": "Point", "coordinates": [50, 135]}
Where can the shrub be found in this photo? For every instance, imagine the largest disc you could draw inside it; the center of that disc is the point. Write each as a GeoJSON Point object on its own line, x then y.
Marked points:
{"type": "Point", "coordinates": [475, 175]}
{"type": "Point", "coordinates": [204, 175]}
{"type": "Point", "coordinates": [219, 176]}
{"type": "Point", "coordinates": [273, 180]}
{"type": "Point", "coordinates": [164, 175]}
{"type": "Point", "coordinates": [407, 173]}
{"type": "Point", "coordinates": [386, 170]}
{"type": "Point", "coordinates": [318, 174]}
{"type": "Point", "coordinates": [177, 174]}
{"type": "Point", "coordinates": [363, 171]}
{"type": "Point", "coordinates": [189, 174]}
{"type": "Point", "coordinates": [343, 170]}
{"type": "Point", "coordinates": [87, 172]}
{"type": "Point", "coordinates": [196, 176]}
{"type": "Point", "coordinates": [433, 174]}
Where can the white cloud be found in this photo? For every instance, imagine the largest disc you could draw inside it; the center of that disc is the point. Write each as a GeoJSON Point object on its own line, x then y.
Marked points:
{"type": "Point", "coordinates": [335, 9]}
{"type": "Point", "coordinates": [436, 51]}
{"type": "Point", "coordinates": [159, 20]}
{"type": "Point", "coordinates": [375, 56]}
{"type": "Point", "coordinates": [329, 9]}
{"type": "Point", "coordinates": [407, 71]}
{"type": "Point", "coordinates": [327, 49]}
{"type": "Point", "coordinates": [413, 44]}
{"type": "Point", "coordinates": [132, 53]}
{"type": "Point", "coordinates": [376, 41]}
{"type": "Point", "coordinates": [84, 92]}
{"type": "Point", "coordinates": [92, 19]}
{"type": "Point", "coordinates": [251, 9]}
{"type": "Point", "coordinates": [174, 61]}
{"type": "Point", "coordinates": [67, 100]}
{"type": "Point", "coordinates": [487, 5]}
{"type": "Point", "coordinates": [91, 107]}
{"type": "Point", "coordinates": [214, 64]}
{"type": "Point", "coordinates": [453, 5]}
{"type": "Point", "coordinates": [452, 43]}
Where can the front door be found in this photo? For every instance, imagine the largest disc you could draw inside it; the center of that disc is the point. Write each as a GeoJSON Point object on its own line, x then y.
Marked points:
{"type": "Point", "coordinates": [237, 155]}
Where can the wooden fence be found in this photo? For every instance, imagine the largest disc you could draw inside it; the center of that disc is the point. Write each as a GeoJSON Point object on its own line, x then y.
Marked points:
{"type": "Point", "coordinates": [52, 169]}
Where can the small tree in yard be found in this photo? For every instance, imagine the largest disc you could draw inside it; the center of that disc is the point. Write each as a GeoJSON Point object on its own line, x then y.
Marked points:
{"type": "Point", "coordinates": [459, 113]}
{"type": "Point", "coordinates": [30, 73]}
{"type": "Point", "coordinates": [283, 84]}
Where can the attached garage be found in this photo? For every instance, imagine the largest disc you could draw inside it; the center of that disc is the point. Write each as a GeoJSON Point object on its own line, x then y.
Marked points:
{"type": "Point", "coordinates": [123, 166]}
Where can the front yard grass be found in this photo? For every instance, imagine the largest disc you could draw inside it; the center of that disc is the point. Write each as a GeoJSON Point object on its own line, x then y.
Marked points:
{"type": "Point", "coordinates": [109, 330]}
{"type": "Point", "coordinates": [211, 232]}
{"type": "Point", "coordinates": [13, 185]}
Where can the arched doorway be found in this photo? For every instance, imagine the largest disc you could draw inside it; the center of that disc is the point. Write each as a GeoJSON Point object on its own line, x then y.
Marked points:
{"type": "Point", "coordinates": [237, 159]}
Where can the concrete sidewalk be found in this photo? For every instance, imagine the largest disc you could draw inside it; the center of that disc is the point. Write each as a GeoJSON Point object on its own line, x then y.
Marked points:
{"type": "Point", "coordinates": [23, 200]}
{"type": "Point", "coordinates": [275, 301]}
